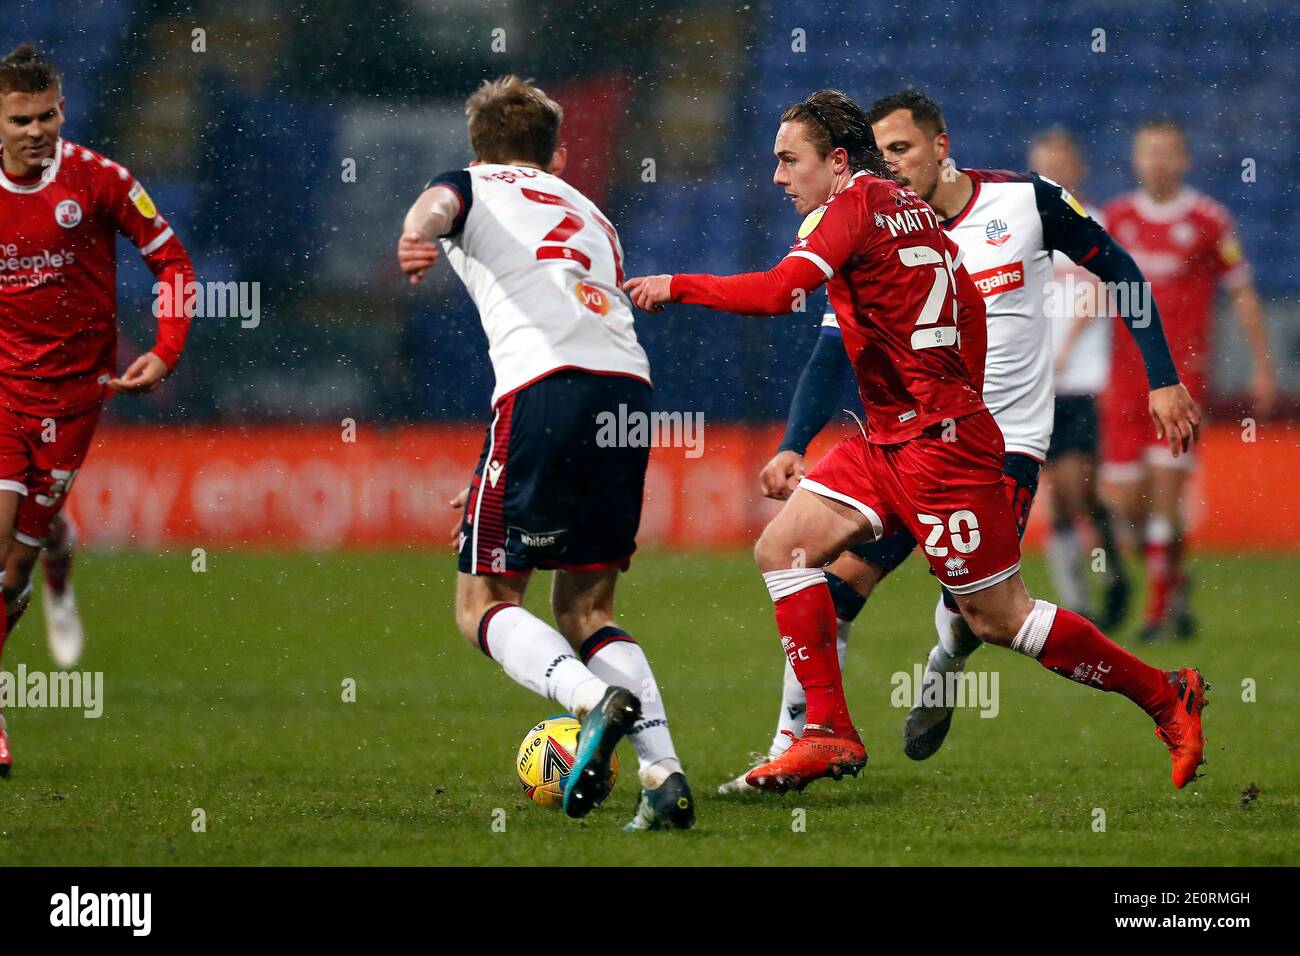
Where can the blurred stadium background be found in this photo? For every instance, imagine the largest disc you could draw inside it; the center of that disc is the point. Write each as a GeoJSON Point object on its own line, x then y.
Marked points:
{"type": "Point", "coordinates": [244, 146]}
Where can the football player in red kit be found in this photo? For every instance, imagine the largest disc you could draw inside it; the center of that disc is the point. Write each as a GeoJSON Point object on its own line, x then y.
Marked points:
{"type": "Point", "coordinates": [61, 207]}
{"type": "Point", "coordinates": [1186, 245]}
{"type": "Point", "coordinates": [930, 459]}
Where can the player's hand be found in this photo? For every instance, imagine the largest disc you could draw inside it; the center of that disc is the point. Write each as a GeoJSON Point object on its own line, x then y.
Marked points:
{"type": "Point", "coordinates": [458, 504]}
{"type": "Point", "coordinates": [649, 292]}
{"type": "Point", "coordinates": [1177, 417]}
{"type": "Point", "coordinates": [415, 255]}
{"type": "Point", "coordinates": [1263, 390]}
{"type": "Point", "coordinates": [781, 475]}
{"type": "Point", "coordinates": [142, 376]}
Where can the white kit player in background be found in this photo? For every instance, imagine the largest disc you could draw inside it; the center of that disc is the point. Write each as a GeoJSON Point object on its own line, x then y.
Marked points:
{"type": "Point", "coordinates": [1082, 324]}
{"type": "Point", "coordinates": [545, 268]}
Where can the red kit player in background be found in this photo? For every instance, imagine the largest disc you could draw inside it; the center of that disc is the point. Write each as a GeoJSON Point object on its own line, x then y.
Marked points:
{"type": "Point", "coordinates": [61, 207]}
{"type": "Point", "coordinates": [930, 459]}
{"type": "Point", "coordinates": [1185, 244]}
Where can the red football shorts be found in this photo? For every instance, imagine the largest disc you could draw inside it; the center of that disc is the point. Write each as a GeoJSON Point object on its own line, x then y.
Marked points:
{"type": "Point", "coordinates": [1128, 435]}
{"type": "Point", "coordinates": [949, 494]}
{"type": "Point", "coordinates": [39, 458]}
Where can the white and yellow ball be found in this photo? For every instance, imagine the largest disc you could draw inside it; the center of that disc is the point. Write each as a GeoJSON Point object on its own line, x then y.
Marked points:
{"type": "Point", "coordinates": [546, 757]}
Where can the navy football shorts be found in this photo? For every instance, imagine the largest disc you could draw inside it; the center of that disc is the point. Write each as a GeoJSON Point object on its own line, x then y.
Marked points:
{"type": "Point", "coordinates": [1075, 428]}
{"type": "Point", "coordinates": [551, 491]}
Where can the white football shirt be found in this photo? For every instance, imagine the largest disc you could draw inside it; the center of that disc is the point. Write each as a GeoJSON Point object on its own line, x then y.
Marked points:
{"type": "Point", "coordinates": [544, 267]}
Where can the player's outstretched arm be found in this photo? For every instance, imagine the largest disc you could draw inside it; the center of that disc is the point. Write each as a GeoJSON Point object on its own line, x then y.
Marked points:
{"type": "Point", "coordinates": [774, 292]}
{"type": "Point", "coordinates": [431, 216]}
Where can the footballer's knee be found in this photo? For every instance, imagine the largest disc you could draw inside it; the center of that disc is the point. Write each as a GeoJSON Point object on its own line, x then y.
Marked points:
{"type": "Point", "coordinates": [774, 552]}
{"type": "Point", "coordinates": [19, 562]}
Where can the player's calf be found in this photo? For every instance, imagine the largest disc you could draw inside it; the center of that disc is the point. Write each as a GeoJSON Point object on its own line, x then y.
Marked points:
{"type": "Point", "coordinates": [996, 614]}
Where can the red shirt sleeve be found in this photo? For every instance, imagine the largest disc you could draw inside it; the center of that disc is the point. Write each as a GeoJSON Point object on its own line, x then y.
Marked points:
{"type": "Point", "coordinates": [751, 293]}
{"type": "Point", "coordinates": [137, 219]}
{"type": "Point", "coordinates": [827, 238]}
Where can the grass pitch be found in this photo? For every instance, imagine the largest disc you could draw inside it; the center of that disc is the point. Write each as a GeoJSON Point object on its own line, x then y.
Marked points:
{"type": "Point", "coordinates": [224, 693]}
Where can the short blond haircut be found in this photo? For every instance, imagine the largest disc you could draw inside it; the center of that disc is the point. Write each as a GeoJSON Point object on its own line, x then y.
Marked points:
{"type": "Point", "coordinates": [511, 119]}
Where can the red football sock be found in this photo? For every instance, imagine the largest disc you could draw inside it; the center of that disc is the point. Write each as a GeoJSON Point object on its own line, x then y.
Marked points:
{"type": "Point", "coordinates": [805, 617]}
{"type": "Point", "coordinates": [1157, 559]}
{"type": "Point", "coordinates": [1162, 560]}
{"type": "Point", "coordinates": [1071, 646]}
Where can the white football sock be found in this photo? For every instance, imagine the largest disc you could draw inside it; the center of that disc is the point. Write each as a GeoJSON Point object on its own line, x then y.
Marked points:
{"type": "Point", "coordinates": [537, 656]}
{"type": "Point", "coordinates": [1065, 562]}
{"type": "Point", "coordinates": [955, 651]}
{"type": "Point", "coordinates": [624, 664]}
{"type": "Point", "coordinates": [1033, 633]}
{"type": "Point", "coordinates": [794, 703]}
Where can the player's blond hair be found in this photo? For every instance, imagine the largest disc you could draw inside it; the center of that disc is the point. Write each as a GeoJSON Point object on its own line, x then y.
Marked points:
{"type": "Point", "coordinates": [511, 119]}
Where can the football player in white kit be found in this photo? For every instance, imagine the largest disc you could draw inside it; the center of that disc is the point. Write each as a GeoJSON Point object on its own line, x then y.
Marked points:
{"type": "Point", "coordinates": [545, 269]}
{"type": "Point", "coordinates": [1007, 225]}
{"type": "Point", "coordinates": [1081, 339]}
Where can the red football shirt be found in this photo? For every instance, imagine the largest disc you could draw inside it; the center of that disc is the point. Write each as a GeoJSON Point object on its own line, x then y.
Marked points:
{"type": "Point", "coordinates": [894, 286]}
{"type": "Point", "coordinates": [58, 276]}
{"type": "Point", "coordinates": [1185, 248]}
{"type": "Point", "coordinates": [890, 270]}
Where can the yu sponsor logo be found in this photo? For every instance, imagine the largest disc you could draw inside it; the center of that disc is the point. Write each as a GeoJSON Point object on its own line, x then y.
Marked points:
{"type": "Point", "coordinates": [922, 688]}
{"type": "Point", "coordinates": [638, 429]}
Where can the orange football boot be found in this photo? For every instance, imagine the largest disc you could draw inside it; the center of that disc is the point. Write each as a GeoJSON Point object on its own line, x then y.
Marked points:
{"type": "Point", "coordinates": [1181, 730]}
{"type": "Point", "coordinates": [818, 753]}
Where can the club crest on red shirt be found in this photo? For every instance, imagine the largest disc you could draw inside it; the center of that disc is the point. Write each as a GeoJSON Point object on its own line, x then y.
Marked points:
{"type": "Point", "coordinates": [67, 213]}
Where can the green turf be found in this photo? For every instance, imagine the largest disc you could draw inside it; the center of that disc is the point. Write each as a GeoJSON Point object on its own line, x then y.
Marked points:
{"type": "Point", "coordinates": [223, 692]}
